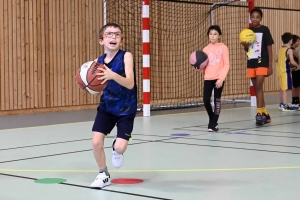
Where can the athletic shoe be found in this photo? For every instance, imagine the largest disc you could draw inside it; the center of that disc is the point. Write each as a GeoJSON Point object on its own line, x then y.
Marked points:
{"type": "Point", "coordinates": [260, 119]}
{"type": "Point", "coordinates": [213, 127]}
{"type": "Point", "coordinates": [268, 118]}
{"type": "Point", "coordinates": [280, 106]}
{"type": "Point", "coordinates": [294, 105]}
{"type": "Point", "coordinates": [101, 181]}
{"type": "Point", "coordinates": [286, 108]}
{"type": "Point", "coordinates": [117, 159]}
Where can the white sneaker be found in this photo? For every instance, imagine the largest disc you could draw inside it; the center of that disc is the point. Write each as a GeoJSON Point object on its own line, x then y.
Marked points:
{"type": "Point", "coordinates": [117, 159]}
{"type": "Point", "coordinates": [101, 181]}
{"type": "Point", "coordinates": [287, 108]}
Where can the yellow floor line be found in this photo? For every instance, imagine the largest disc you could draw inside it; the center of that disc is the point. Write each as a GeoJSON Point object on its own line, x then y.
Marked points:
{"type": "Point", "coordinates": [154, 170]}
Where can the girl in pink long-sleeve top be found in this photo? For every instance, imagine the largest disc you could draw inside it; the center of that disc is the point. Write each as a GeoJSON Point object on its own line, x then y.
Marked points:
{"type": "Point", "coordinates": [214, 75]}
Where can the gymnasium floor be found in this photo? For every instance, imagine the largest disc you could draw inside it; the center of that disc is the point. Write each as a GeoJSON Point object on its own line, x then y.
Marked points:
{"type": "Point", "coordinates": [240, 162]}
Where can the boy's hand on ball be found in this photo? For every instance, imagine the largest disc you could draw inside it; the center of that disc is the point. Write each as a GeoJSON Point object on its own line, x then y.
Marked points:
{"type": "Point", "coordinates": [105, 74]}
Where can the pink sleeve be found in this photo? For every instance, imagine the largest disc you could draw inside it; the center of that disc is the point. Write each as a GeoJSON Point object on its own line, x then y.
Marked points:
{"type": "Point", "coordinates": [224, 71]}
{"type": "Point", "coordinates": [205, 50]}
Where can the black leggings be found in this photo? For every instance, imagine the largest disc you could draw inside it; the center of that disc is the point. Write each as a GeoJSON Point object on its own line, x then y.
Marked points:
{"type": "Point", "coordinates": [209, 85]}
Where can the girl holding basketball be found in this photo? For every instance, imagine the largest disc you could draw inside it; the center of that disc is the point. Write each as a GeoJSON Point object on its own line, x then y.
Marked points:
{"type": "Point", "coordinates": [259, 64]}
{"type": "Point", "coordinates": [215, 74]}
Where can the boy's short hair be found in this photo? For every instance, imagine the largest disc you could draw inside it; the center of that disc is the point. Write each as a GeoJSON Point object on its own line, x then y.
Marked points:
{"type": "Point", "coordinates": [102, 30]}
{"type": "Point", "coordinates": [295, 38]}
{"type": "Point", "coordinates": [256, 10]}
{"type": "Point", "coordinates": [216, 28]}
{"type": "Point", "coordinates": [286, 37]}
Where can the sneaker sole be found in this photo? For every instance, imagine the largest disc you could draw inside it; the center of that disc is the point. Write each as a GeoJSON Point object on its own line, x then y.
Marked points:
{"type": "Point", "coordinates": [210, 130]}
{"type": "Point", "coordinates": [94, 187]}
{"type": "Point", "coordinates": [260, 123]}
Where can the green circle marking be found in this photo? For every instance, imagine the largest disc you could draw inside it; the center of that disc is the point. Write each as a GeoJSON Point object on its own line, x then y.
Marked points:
{"type": "Point", "coordinates": [50, 180]}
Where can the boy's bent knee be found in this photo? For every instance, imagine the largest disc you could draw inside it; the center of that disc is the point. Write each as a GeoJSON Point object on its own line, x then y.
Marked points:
{"type": "Point", "coordinates": [120, 145]}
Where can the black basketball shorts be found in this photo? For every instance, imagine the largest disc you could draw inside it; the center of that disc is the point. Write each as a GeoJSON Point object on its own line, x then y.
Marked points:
{"type": "Point", "coordinates": [105, 122]}
{"type": "Point", "coordinates": [296, 78]}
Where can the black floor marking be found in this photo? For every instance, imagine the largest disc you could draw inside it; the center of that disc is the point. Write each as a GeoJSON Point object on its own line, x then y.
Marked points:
{"type": "Point", "coordinates": [169, 136]}
{"type": "Point", "coordinates": [186, 129]}
{"type": "Point", "coordinates": [263, 135]}
{"type": "Point", "coordinates": [82, 186]}
{"type": "Point", "coordinates": [247, 129]}
{"type": "Point", "coordinates": [58, 154]}
{"type": "Point", "coordinates": [269, 151]}
{"type": "Point", "coordinates": [71, 152]}
{"type": "Point", "coordinates": [227, 141]}
{"type": "Point", "coordinates": [255, 134]}
{"type": "Point", "coordinates": [253, 129]}
{"type": "Point", "coordinates": [192, 138]}
{"type": "Point", "coordinates": [114, 191]}
{"type": "Point", "coordinates": [246, 120]}
{"type": "Point", "coordinates": [270, 131]}
{"type": "Point", "coordinates": [45, 144]}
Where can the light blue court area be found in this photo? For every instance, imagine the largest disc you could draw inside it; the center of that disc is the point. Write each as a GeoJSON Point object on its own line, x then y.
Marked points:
{"type": "Point", "coordinates": [173, 155]}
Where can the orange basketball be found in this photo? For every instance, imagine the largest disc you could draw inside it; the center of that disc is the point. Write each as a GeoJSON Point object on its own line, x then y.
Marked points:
{"type": "Point", "coordinates": [87, 79]}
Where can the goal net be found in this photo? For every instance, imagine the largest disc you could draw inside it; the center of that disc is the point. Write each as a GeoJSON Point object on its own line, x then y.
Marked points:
{"type": "Point", "coordinates": [177, 28]}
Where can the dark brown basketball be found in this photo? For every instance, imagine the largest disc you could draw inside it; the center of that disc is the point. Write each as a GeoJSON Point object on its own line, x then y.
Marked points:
{"type": "Point", "coordinates": [92, 78]}
{"type": "Point", "coordinates": [87, 79]}
{"type": "Point", "coordinates": [79, 81]}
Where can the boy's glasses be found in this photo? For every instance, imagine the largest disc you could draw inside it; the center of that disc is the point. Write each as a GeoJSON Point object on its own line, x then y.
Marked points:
{"type": "Point", "coordinates": [110, 34]}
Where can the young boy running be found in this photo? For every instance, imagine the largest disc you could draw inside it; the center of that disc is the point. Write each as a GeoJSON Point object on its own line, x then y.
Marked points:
{"type": "Point", "coordinates": [118, 103]}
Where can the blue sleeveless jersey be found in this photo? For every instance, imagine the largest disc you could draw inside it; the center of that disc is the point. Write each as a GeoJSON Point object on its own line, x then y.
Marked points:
{"type": "Point", "coordinates": [117, 99]}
